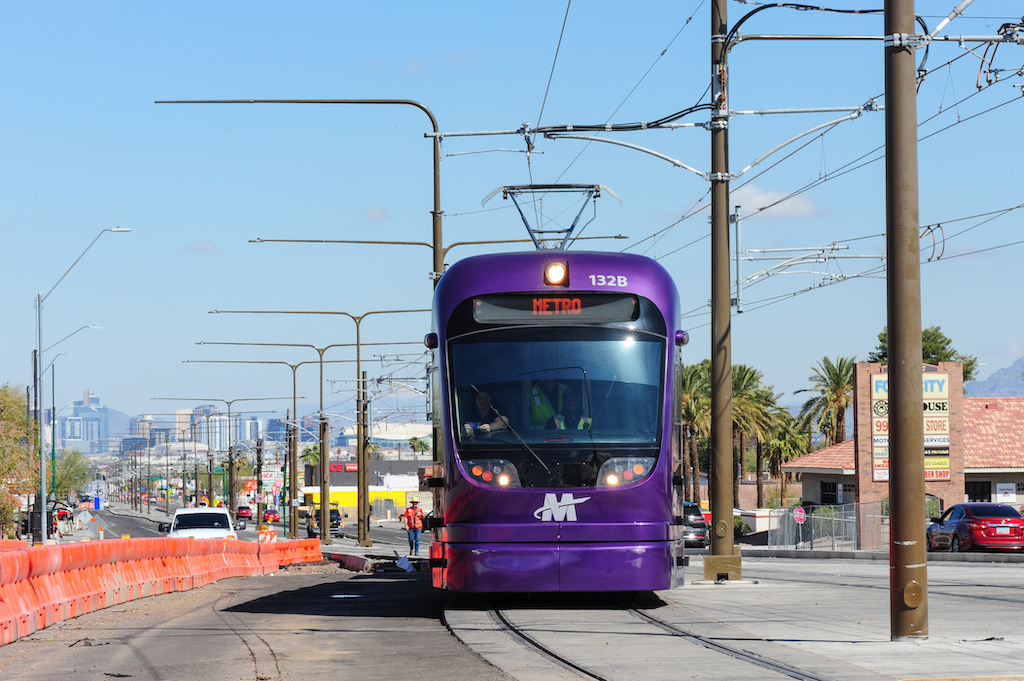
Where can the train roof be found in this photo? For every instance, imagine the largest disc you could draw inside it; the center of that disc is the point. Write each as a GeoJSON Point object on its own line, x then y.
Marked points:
{"type": "Point", "coordinates": [524, 271]}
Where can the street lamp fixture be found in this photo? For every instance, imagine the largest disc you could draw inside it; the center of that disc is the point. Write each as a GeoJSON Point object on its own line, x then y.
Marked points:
{"type": "Point", "coordinates": [44, 531]}
{"type": "Point", "coordinates": [83, 328]}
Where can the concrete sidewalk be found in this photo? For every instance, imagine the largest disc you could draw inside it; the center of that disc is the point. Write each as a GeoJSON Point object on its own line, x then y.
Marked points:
{"type": "Point", "coordinates": [833, 617]}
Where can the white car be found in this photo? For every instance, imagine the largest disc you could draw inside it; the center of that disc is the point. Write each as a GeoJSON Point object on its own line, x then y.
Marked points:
{"type": "Point", "coordinates": [204, 522]}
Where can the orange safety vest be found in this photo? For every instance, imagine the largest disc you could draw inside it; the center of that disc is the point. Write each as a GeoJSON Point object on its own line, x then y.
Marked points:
{"type": "Point", "coordinates": [413, 518]}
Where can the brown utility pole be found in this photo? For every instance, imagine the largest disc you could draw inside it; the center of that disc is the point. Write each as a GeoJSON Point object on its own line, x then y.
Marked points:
{"type": "Point", "coordinates": [908, 560]}
{"type": "Point", "coordinates": [721, 563]}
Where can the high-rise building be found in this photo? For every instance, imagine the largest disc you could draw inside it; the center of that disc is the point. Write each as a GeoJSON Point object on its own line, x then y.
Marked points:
{"type": "Point", "coordinates": [88, 428]}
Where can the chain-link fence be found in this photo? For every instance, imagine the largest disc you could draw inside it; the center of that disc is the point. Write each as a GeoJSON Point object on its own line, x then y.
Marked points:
{"type": "Point", "coordinates": [847, 527]}
{"type": "Point", "coordinates": [383, 508]}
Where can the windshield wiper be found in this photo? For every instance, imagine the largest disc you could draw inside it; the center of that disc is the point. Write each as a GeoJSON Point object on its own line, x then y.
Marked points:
{"type": "Point", "coordinates": [508, 425]}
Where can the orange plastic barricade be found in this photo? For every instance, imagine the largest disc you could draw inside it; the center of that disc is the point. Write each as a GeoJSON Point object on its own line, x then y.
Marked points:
{"type": "Point", "coordinates": [18, 604]}
{"type": "Point", "coordinates": [51, 606]}
{"type": "Point", "coordinates": [42, 585]}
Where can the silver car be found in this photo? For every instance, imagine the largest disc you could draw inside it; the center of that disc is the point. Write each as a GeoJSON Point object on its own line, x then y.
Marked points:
{"type": "Point", "coordinates": [695, 529]}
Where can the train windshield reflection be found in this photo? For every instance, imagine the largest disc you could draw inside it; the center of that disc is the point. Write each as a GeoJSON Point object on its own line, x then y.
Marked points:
{"type": "Point", "coordinates": [597, 386]}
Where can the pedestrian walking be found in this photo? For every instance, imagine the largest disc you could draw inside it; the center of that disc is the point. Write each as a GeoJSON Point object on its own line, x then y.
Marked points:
{"type": "Point", "coordinates": [413, 518]}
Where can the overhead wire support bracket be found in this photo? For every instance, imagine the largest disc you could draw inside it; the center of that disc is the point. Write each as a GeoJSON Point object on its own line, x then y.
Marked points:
{"type": "Point", "coordinates": [592, 191]}
{"type": "Point", "coordinates": [907, 40]}
{"type": "Point", "coordinates": [591, 138]}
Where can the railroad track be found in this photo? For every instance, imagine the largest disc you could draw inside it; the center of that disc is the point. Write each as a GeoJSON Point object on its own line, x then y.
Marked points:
{"type": "Point", "coordinates": [607, 644]}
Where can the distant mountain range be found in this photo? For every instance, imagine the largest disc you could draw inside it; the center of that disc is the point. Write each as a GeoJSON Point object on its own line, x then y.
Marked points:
{"type": "Point", "coordinates": [1003, 383]}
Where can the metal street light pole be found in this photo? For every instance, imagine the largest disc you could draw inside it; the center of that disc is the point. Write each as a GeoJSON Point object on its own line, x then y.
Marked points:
{"type": "Point", "coordinates": [44, 533]}
{"type": "Point", "coordinates": [53, 403]}
{"type": "Point", "coordinates": [362, 494]}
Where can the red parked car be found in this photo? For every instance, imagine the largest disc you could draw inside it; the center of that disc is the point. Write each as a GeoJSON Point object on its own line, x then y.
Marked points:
{"type": "Point", "coordinates": [271, 515]}
{"type": "Point", "coordinates": [243, 512]}
{"type": "Point", "coordinates": [976, 525]}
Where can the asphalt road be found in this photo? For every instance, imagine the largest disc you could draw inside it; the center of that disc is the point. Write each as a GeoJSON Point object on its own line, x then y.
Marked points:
{"type": "Point", "coordinates": [307, 622]}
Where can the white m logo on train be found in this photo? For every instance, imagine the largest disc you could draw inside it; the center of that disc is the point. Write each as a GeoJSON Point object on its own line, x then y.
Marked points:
{"type": "Point", "coordinates": [558, 509]}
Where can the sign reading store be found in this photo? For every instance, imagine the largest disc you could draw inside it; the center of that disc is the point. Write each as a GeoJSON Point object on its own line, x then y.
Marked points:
{"type": "Point", "coordinates": [935, 395]}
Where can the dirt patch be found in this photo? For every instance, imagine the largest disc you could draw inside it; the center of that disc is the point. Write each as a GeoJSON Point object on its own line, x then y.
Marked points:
{"type": "Point", "coordinates": [319, 567]}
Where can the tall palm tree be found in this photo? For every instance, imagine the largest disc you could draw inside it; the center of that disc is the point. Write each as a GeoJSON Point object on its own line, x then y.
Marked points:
{"type": "Point", "coordinates": [826, 412]}
{"type": "Point", "coordinates": [751, 416]}
{"type": "Point", "coordinates": [774, 413]}
{"type": "Point", "coordinates": [695, 389]}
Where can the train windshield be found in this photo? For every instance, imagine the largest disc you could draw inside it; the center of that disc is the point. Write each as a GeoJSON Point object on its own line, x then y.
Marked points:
{"type": "Point", "coordinates": [558, 406]}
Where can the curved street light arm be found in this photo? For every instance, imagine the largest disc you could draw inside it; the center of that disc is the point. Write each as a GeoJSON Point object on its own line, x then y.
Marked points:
{"type": "Point", "coordinates": [87, 326]}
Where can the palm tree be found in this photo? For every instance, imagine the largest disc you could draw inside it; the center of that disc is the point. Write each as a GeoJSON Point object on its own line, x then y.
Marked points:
{"type": "Point", "coordinates": [775, 414]}
{"type": "Point", "coordinates": [826, 413]}
{"type": "Point", "coordinates": [419, 445]}
{"type": "Point", "coordinates": [311, 456]}
{"type": "Point", "coordinates": [788, 442]}
{"type": "Point", "coordinates": [751, 416]}
{"type": "Point", "coordinates": [695, 416]}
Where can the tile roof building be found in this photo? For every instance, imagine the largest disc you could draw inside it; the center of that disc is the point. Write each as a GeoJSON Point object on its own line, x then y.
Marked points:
{"type": "Point", "coordinates": [983, 458]}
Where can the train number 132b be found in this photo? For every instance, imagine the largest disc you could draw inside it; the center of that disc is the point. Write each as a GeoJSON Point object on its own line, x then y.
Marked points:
{"type": "Point", "coordinates": [608, 280]}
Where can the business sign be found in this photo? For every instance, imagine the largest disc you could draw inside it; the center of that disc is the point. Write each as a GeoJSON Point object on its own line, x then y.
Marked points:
{"type": "Point", "coordinates": [250, 485]}
{"type": "Point", "coordinates": [935, 399]}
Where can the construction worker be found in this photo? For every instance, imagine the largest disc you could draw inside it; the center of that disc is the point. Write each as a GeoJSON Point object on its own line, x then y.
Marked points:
{"type": "Point", "coordinates": [413, 518]}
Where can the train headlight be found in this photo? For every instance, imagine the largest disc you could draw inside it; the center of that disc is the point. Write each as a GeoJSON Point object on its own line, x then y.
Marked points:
{"type": "Point", "coordinates": [621, 471]}
{"type": "Point", "coordinates": [556, 273]}
{"type": "Point", "coordinates": [492, 472]}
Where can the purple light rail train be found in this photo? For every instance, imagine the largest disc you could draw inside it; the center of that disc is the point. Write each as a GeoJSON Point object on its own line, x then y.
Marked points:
{"type": "Point", "coordinates": [553, 393]}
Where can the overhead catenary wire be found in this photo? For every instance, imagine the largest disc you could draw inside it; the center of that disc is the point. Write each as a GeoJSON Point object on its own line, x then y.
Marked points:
{"type": "Point", "coordinates": [872, 156]}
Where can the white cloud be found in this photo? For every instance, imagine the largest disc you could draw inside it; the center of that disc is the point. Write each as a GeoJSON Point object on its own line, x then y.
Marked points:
{"type": "Point", "coordinates": [203, 247]}
{"type": "Point", "coordinates": [752, 199]}
{"type": "Point", "coordinates": [376, 214]}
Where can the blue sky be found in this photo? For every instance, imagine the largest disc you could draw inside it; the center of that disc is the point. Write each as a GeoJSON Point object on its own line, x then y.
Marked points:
{"type": "Point", "coordinates": [85, 148]}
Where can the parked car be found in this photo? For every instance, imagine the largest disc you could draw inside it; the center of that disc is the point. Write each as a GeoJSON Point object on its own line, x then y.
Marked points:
{"type": "Point", "coordinates": [695, 528]}
{"type": "Point", "coordinates": [244, 512]}
{"type": "Point", "coordinates": [313, 523]}
{"type": "Point", "coordinates": [202, 523]}
{"type": "Point", "coordinates": [271, 515]}
{"type": "Point", "coordinates": [976, 525]}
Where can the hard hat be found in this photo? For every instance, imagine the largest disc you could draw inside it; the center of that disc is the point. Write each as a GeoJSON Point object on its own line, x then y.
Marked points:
{"type": "Point", "coordinates": [415, 500]}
